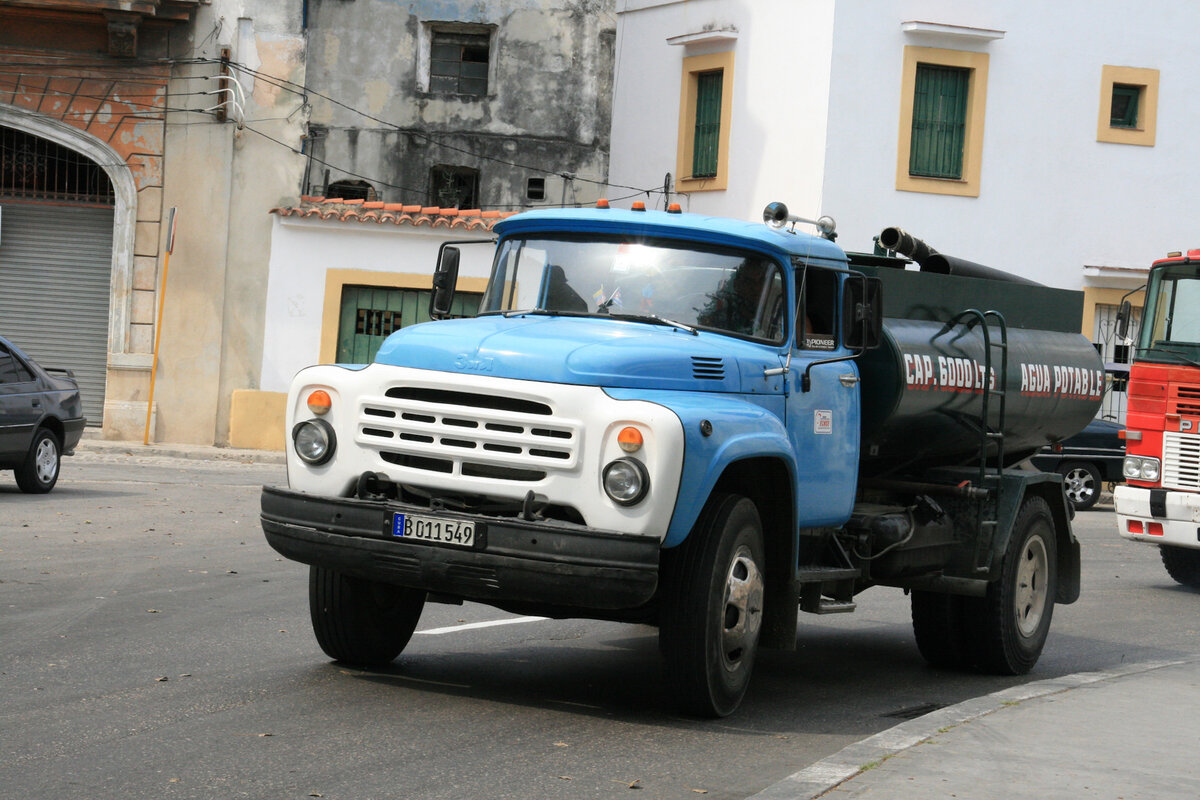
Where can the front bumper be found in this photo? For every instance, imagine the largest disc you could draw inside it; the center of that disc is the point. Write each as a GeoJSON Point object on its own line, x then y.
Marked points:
{"type": "Point", "coordinates": [1177, 512]}
{"type": "Point", "coordinates": [519, 562]}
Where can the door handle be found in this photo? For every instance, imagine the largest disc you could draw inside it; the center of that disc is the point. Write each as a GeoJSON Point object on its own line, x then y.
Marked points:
{"type": "Point", "coordinates": [37, 403]}
{"type": "Point", "coordinates": [849, 379]}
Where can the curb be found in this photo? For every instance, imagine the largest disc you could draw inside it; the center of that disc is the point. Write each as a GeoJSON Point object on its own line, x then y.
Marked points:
{"type": "Point", "coordinates": [105, 447]}
{"type": "Point", "coordinates": [828, 773]}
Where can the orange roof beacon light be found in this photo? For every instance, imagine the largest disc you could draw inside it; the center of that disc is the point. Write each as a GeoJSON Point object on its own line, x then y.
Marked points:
{"type": "Point", "coordinates": [674, 208]}
{"type": "Point", "coordinates": [602, 202]}
{"type": "Point", "coordinates": [638, 205]}
{"type": "Point", "coordinates": [319, 402]}
{"type": "Point", "coordinates": [630, 439]}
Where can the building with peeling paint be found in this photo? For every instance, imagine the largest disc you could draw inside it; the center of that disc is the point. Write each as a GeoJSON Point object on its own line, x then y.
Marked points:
{"type": "Point", "coordinates": [111, 114]}
{"type": "Point", "coordinates": [460, 104]}
{"type": "Point", "coordinates": [119, 116]}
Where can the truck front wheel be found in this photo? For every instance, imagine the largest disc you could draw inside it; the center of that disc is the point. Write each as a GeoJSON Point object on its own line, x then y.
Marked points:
{"type": "Point", "coordinates": [361, 622]}
{"type": "Point", "coordinates": [1012, 621]}
{"type": "Point", "coordinates": [712, 607]}
{"type": "Point", "coordinates": [1183, 564]}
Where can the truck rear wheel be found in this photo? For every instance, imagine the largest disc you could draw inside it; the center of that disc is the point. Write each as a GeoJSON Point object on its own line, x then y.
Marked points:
{"type": "Point", "coordinates": [1183, 564]}
{"type": "Point", "coordinates": [712, 611]}
{"type": "Point", "coordinates": [361, 622]}
{"type": "Point", "coordinates": [938, 627]}
{"type": "Point", "coordinates": [1012, 621]}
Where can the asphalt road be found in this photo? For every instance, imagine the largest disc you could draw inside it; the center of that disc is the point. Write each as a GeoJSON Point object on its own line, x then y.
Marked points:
{"type": "Point", "coordinates": [153, 646]}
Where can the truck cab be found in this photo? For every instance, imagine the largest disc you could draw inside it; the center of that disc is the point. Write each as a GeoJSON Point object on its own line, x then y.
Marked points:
{"type": "Point", "coordinates": [1160, 501]}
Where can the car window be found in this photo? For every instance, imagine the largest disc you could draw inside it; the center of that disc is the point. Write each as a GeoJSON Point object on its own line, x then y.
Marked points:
{"type": "Point", "coordinates": [11, 368]}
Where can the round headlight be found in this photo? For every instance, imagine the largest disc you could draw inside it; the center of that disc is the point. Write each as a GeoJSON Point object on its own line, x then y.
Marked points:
{"type": "Point", "coordinates": [1150, 469]}
{"type": "Point", "coordinates": [314, 441]}
{"type": "Point", "coordinates": [1132, 467]}
{"type": "Point", "coordinates": [626, 481]}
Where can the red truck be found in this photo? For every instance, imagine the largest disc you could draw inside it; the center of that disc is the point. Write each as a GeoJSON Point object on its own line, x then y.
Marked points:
{"type": "Point", "coordinates": [1160, 500]}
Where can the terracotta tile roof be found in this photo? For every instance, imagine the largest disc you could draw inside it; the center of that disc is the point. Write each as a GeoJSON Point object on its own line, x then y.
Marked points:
{"type": "Point", "coordinates": [339, 210]}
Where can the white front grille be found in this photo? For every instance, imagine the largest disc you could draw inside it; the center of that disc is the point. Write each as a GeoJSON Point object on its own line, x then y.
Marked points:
{"type": "Point", "coordinates": [474, 435]}
{"type": "Point", "coordinates": [1181, 461]}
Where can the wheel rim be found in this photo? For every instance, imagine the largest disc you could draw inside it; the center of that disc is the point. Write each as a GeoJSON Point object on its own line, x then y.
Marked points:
{"type": "Point", "coordinates": [1078, 485]}
{"type": "Point", "coordinates": [1030, 596]}
{"type": "Point", "coordinates": [742, 613]}
{"type": "Point", "coordinates": [46, 460]}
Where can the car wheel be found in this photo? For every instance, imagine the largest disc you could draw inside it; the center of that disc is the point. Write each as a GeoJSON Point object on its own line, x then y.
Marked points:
{"type": "Point", "coordinates": [1183, 564]}
{"type": "Point", "coordinates": [713, 608]}
{"type": "Point", "coordinates": [1082, 483]}
{"type": "Point", "coordinates": [39, 472]}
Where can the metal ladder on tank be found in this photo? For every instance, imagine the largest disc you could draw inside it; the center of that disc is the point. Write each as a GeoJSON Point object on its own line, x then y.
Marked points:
{"type": "Point", "coordinates": [988, 436]}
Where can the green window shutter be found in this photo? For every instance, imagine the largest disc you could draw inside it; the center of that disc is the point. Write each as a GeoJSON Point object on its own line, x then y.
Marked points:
{"type": "Point", "coordinates": [370, 314]}
{"type": "Point", "coordinates": [708, 123]}
{"type": "Point", "coordinates": [1125, 105]}
{"type": "Point", "coordinates": [939, 121]}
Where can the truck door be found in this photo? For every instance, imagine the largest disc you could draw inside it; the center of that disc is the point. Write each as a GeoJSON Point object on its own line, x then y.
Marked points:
{"type": "Point", "coordinates": [823, 422]}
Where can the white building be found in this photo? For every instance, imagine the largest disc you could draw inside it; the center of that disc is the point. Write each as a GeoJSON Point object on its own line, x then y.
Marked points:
{"type": "Point", "coordinates": [1071, 163]}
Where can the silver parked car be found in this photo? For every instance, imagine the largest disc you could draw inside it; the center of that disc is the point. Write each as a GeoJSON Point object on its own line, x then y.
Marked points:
{"type": "Point", "coordinates": [41, 418]}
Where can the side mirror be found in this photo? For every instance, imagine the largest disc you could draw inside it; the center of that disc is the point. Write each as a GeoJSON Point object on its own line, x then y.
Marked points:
{"type": "Point", "coordinates": [862, 312]}
{"type": "Point", "coordinates": [445, 277]}
{"type": "Point", "coordinates": [1123, 315]}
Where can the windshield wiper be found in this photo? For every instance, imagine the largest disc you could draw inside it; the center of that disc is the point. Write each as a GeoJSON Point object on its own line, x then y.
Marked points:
{"type": "Point", "coordinates": [654, 319]}
{"type": "Point", "coordinates": [1182, 355]}
{"type": "Point", "coordinates": [542, 312]}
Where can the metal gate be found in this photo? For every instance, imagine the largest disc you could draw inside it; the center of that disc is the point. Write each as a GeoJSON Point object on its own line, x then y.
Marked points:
{"type": "Point", "coordinates": [55, 286]}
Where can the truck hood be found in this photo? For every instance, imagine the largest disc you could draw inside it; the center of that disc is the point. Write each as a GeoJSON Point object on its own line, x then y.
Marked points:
{"type": "Point", "coordinates": [585, 351]}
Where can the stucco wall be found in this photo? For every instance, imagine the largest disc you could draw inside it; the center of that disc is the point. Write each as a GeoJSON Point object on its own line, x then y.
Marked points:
{"type": "Point", "coordinates": [780, 96]}
{"type": "Point", "coordinates": [1053, 200]}
{"type": "Point", "coordinates": [816, 125]}
{"type": "Point", "coordinates": [224, 179]}
{"type": "Point", "coordinates": [305, 250]}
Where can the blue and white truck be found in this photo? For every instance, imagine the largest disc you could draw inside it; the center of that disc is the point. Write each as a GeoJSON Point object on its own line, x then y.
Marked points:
{"type": "Point", "coordinates": [706, 425]}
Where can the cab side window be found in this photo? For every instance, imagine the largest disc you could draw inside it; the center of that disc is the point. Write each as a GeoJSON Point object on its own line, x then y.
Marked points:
{"type": "Point", "coordinates": [819, 295]}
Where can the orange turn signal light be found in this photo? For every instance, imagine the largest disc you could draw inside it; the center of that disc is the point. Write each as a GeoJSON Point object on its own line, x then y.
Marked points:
{"type": "Point", "coordinates": [630, 440]}
{"type": "Point", "coordinates": [319, 402]}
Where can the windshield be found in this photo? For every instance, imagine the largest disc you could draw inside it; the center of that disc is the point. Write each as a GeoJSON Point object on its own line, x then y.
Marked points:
{"type": "Point", "coordinates": [1171, 320]}
{"type": "Point", "coordinates": [724, 290]}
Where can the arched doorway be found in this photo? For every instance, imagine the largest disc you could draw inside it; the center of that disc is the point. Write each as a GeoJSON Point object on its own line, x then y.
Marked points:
{"type": "Point", "coordinates": [56, 254]}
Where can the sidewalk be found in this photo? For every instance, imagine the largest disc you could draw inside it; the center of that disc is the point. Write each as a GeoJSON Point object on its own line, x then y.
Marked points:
{"type": "Point", "coordinates": [92, 443]}
{"type": "Point", "coordinates": [1131, 732]}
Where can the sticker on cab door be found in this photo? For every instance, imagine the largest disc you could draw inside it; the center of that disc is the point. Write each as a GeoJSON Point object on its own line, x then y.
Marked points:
{"type": "Point", "coordinates": [822, 421]}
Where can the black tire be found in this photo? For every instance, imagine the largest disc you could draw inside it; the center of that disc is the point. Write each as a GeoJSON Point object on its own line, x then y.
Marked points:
{"type": "Point", "coordinates": [39, 471]}
{"type": "Point", "coordinates": [1082, 483]}
{"type": "Point", "coordinates": [938, 627]}
{"type": "Point", "coordinates": [361, 622]}
{"type": "Point", "coordinates": [712, 608]}
{"type": "Point", "coordinates": [1183, 564]}
{"type": "Point", "coordinates": [1008, 627]}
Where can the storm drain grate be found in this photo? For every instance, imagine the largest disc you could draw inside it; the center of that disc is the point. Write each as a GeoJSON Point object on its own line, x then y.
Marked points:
{"type": "Point", "coordinates": [914, 711]}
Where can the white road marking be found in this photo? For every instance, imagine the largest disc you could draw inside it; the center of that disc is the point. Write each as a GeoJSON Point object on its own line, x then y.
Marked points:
{"type": "Point", "coordinates": [472, 625]}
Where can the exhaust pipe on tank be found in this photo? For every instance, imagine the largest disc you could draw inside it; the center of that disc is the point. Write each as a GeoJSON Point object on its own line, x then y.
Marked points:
{"type": "Point", "coordinates": [931, 260]}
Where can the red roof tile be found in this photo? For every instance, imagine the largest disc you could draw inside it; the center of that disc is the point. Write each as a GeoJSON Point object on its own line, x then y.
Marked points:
{"type": "Point", "coordinates": [339, 210]}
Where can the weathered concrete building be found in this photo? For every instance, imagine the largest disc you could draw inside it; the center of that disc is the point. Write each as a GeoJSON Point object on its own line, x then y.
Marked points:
{"type": "Point", "coordinates": [460, 104]}
{"type": "Point", "coordinates": [112, 113]}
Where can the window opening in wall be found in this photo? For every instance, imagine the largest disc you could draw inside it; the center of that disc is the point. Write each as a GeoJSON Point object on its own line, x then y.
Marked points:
{"type": "Point", "coordinates": [1125, 101]}
{"type": "Point", "coordinates": [535, 189]}
{"type": "Point", "coordinates": [369, 314]}
{"type": "Point", "coordinates": [351, 190]}
{"type": "Point", "coordinates": [458, 63]}
{"type": "Point", "coordinates": [33, 168]}
{"type": "Point", "coordinates": [939, 121]}
{"type": "Point", "coordinates": [708, 123]}
{"type": "Point", "coordinates": [454, 187]}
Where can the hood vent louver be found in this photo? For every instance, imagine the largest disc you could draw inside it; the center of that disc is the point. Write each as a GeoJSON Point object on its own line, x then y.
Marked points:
{"type": "Point", "coordinates": [707, 368]}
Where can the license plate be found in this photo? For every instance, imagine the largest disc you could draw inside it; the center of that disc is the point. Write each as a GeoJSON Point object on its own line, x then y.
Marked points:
{"type": "Point", "coordinates": [439, 530]}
